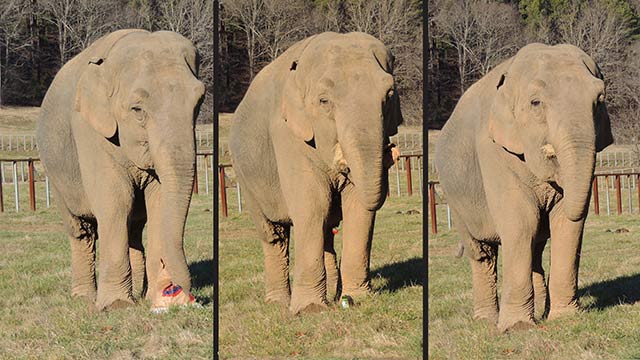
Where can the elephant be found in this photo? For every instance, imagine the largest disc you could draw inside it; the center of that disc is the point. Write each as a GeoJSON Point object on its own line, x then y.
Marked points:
{"type": "Point", "coordinates": [116, 138]}
{"type": "Point", "coordinates": [310, 147]}
{"type": "Point", "coordinates": [515, 161]}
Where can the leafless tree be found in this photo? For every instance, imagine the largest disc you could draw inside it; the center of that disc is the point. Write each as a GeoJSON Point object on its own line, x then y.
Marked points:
{"type": "Point", "coordinates": [483, 32]}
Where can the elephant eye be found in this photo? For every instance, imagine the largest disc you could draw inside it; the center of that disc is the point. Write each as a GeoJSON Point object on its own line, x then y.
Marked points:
{"type": "Point", "coordinates": [324, 101]}
{"type": "Point", "coordinates": [138, 113]}
{"type": "Point", "coordinates": [535, 102]}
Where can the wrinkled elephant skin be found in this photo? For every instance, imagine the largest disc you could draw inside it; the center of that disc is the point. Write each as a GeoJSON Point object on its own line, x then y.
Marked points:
{"type": "Point", "coordinates": [116, 137]}
{"type": "Point", "coordinates": [310, 147]}
{"type": "Point", "coordinates": [515, 161]}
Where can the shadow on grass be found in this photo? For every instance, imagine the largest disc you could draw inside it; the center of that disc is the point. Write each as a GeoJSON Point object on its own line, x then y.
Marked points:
{"type": "Point", "coordinates": [201, 276]}
{"type": "Point", "coordinates": [400, 275]}
{"type": "Point", "coordinates": [622, 290]}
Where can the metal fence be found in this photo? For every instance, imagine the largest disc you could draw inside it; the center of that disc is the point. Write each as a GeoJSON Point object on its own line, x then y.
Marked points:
{"type": "Point", "coordinates": [405, 165]}
{"type": "Point", "coordinates": [621, 187]}
{"type": "Point", "coordinates": [26, 171]}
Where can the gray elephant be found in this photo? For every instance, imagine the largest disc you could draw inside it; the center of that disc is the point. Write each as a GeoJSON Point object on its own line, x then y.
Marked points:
{"type": "Point", "coordinates": [515, 161]}
{"type": "Point", "coordinates": [310, 147]}
{"type": "Point", "coordinates": [116, 137]}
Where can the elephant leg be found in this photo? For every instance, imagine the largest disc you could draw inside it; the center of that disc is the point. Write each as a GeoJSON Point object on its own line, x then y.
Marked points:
{"type": "Point", "coordinates": [540, 291]}
{"type": "Point", "coordinates": [275, 245]}
{"type": "Point", "coordinates": [331, 267]}
{"type": "Point", "coordinates": [114, 282]}
{"type": "Point", "coordinates": [484, 270]}
{"type": "Point", "coordinates": [566, 243]}
{"type": "Point", "coordinates": [82, 238]}
{"type": "Point", "coordinates": [358, 225]}
{"type": "Point", "coordinates": [137, 260]}
{"type": "Point", "coordinates": [483, 257]}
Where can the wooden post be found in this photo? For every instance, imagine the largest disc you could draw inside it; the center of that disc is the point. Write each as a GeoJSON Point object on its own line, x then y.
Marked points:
{"type": "Point", "coordinates": [596, 201]}
{"type": "Point", "coordinates": [195, 178]}
{"type": "Point", "coordinates": [407, 167]}
{"type": "Point", "coordinates": [618, 195]}
{"type": "Point", "coordinates": [223, 192]}
{"type": "Point", "coordinates": [432, 208]}
{"type": "Point", "coordinates": [32, 186]}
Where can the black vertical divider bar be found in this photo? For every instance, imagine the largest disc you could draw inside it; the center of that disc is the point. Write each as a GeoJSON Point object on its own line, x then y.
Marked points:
{"type": "Point", "coordinates": [425, 152]}
{"type": "Point", "coordinates": [216, 72]}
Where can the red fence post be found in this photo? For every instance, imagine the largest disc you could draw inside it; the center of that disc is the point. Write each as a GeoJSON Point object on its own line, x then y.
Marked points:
{"type": "Point", "coordinates": [195, 178]}
{"type": "Point", "coordinates": [407, 166]}
{"type": "Point", "coordinates": [596, 201]}
{"type": "Point", "coordinates": [32, 186]}
{"type": "Point", "coordinates": [432, 207]}
{"type": "Point", "coordinates": [223, 191]}
{"type": "Point", "coordinates": [618, 195]}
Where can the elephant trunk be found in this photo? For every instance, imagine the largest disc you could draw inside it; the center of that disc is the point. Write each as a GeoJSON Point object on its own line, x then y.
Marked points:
{"type": "Point", "coordinates": [577, 160]}
{"type": "Point", "coordinates": [175, 167]}
{"type": "Point", "coordinates": [363, 148]}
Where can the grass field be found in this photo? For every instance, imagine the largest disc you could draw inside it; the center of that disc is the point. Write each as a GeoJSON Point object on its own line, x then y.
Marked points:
{"type": "Point", "coordinates": [385, 325]}
{"type": "Point", "coordinates": [41, 321]}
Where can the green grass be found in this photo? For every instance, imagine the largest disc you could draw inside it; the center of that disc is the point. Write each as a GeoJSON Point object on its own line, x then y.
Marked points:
{"type": "Point", "coordinates": [42, 321]}
{"type": "Point", "coordinates": [609, 290]}
{"type": "Point", "coordinates": [385, 325]}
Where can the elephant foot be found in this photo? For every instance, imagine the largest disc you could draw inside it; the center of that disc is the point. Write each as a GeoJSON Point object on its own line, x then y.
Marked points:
{"type": "Point", "coordinates": [506, 324]}
{"type": "Point", "coordinates": [307, 306]}
{"type": "Point", "coordinates": [557, 312]}
{"type": "Point", "coordinates": [173, 295]}
{"type": "Point", "coordinates": [118, 304]}
{"type": "Point", "coordinates": [357, 292]}
{"type": "Point", "coordinates": [312, 309]}
{"type": "Point", "coordinates": [280, 299]}
{"type": "Point", "coordinates": [489, 316]}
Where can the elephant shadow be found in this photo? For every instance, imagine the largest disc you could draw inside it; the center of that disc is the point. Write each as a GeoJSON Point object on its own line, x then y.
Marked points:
{"type": "Point", "coordinates": [609, 293]}
{"type": "Point", "coordinates": [201, 276]}
{"type": "Point", "coordinates": [401, 274]}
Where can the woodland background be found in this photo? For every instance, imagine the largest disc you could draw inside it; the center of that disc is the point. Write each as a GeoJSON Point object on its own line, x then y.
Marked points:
{"type": "Point", "coordinates": [467, 38]}
{"type": "Point", "coordinates": [38, 36]}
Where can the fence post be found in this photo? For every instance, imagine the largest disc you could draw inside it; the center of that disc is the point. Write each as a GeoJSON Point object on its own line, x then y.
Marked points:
{"type": "Point", "coordinates": [195, 178]}
{"type": "Point", "coordinates": [419, 158]}
{"type": "Point", "coordinates": [206, 175]}
{"type": "Point", "coordinates": [239, 197]}
{"type": "Point", "coordinates": [629, 192]}
{"type": "Point", "coordinates": [618, 195]}
{"type": "Point", "coordinates": [432, 208]}
{"type": "Point", "coordinates": [32, 186]}
{"type": "Point", "coordinates": [1, 200]}
{"type": "Point", "coordinates": [397, 166]}
{"type": "Point", "coordinates": [46, 187]}
{"type": "Point", "coordinates": [223, 192]}
{"type": "Point", "coordinates": [407, 166]}
{"type": "Point", "coordinates": [596, 201]}
{"type": "Point", "coordinates": [14, 166]}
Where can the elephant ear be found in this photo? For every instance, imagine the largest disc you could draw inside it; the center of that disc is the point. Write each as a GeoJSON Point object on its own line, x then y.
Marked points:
{"type": "Point", "coordinates": [293, 111]}
{"type": "Point", "coordinates": [395, 118]}
{"type": "Point", "coordinates": [604, 137]}
{"type": "Point", "coordinates": [503, 128]}
{"type": "Point", "coordinates": [95, 87]}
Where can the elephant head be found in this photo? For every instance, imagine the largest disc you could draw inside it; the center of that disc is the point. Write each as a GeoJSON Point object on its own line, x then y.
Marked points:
{"type": "Point", "coordinates": [339, 97]}
{"type": "Point", "coordinates": [550, 111]}
{"type": "Point", "coordinates": [140, 90]}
